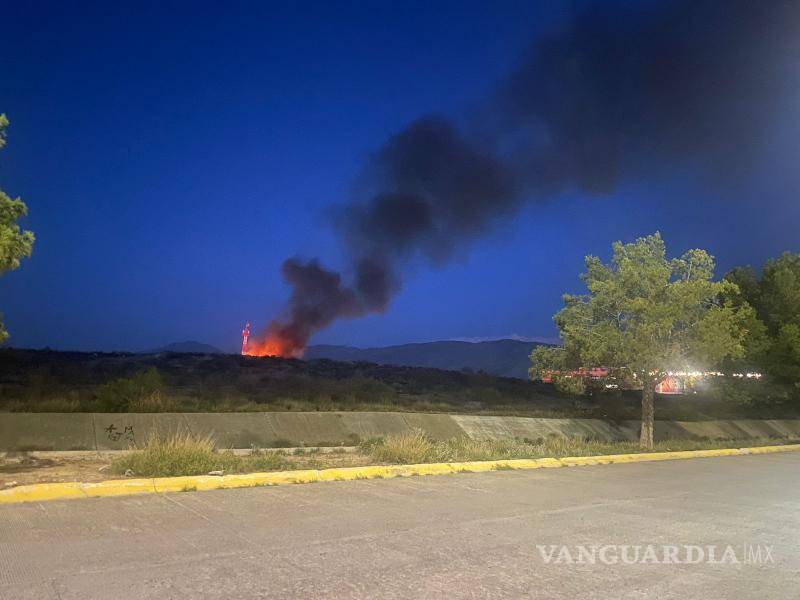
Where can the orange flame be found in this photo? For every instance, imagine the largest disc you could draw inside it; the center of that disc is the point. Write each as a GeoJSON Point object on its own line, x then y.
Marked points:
{"type": "Point", "coordinates": [273, 345]}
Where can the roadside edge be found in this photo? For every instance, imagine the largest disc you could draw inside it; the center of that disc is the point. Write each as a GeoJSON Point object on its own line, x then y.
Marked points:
{"type": "Point", "coordinates": [40, 492]}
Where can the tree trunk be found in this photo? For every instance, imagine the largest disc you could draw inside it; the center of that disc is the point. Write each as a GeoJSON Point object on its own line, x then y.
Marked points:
{"type": "Point", "coordinates": [648, 416]}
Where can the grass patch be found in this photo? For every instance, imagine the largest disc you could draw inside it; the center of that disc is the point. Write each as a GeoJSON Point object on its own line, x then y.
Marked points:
{"type": "Point", "coordinates": [185, 454]}
{"type": "Point", "coordinates": [406, 448]}
{"type": "Point", "coordinates": [415, 447]}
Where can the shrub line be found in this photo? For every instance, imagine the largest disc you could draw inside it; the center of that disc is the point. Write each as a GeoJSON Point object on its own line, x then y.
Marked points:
{"type": "Point", "coordinates": [123, 487]}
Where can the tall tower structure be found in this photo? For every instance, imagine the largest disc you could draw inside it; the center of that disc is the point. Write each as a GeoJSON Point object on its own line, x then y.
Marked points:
{"type": "Point", "coordinates": [245, 338]}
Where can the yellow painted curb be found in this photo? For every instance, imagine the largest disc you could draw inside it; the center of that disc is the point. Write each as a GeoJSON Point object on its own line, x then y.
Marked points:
{"type": "Point", "coordinates": [40, 492]}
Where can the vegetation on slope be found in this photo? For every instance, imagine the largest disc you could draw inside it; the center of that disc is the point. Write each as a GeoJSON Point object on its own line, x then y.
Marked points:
{"type": "Point", "coordinates": [47, 381]}
{"type": "Point", "coordinates": [188, 455]}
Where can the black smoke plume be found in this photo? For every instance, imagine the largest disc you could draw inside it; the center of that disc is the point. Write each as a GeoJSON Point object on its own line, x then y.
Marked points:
{"type": "Point", "coordinates": [617, 93]}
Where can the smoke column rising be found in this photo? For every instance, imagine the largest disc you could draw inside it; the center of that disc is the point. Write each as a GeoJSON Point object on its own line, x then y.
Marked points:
{"type": "Point", "coordinates": [616, 94]}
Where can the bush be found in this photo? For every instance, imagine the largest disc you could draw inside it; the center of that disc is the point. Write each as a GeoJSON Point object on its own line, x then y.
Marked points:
{"type": "Point", "coordinates": [568, 384]}
{"type": "Point", "coordinates": [155, 402]}
{"type": "Point", "coordinates": [407, 448]}
{"type": "Point", "coordinates": [749, 393]}
{"type": "Point", "coordinates": [121, 394]}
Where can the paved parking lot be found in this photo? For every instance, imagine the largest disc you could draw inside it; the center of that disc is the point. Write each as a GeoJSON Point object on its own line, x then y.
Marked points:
{"type": "Point", "coordinates": [466, 535]}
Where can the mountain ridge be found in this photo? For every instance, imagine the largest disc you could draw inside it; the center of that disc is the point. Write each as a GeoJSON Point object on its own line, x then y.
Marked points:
{"type": "Point", "coordinates": [504, 357]}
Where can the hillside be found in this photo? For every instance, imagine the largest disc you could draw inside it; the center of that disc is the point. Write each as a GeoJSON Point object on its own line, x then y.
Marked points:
{"type": "Point", "coordinates": [189, 346]}
{"type": "Point", "coordinates": [506, 358]}
{"type": "Point", "coordinates": [51, 381]}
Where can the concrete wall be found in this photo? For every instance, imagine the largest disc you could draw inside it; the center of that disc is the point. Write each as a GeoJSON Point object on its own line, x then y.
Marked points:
{"type": "Point", "coordinates": [116, 431]}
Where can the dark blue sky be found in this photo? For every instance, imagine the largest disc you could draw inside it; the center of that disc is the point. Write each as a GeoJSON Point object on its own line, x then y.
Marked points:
{"type": "Point", "coordinates": [173, 157]}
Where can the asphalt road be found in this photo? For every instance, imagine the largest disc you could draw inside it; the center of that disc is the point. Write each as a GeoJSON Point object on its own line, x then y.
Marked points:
{"type": "Point", "coordinates": [466, 535]}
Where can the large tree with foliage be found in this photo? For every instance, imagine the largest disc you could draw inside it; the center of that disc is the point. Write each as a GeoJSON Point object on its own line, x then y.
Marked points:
{"type": "Point", "coordinates": [776, 298]}
{"type": "Point", "coordinates": [15, 244]}
{"type": "Point", "coordinates": [645, 315]}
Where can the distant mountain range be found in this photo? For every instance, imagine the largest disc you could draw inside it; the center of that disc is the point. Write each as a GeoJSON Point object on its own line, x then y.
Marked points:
{"type": "Point", "coordinates": [188, 346]}
{"type": "Point", "coordinates": [507, 358]}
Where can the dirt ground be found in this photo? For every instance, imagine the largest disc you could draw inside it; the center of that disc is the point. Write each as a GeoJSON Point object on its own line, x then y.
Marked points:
{"type": "Point", "coordinates": [23, 468]}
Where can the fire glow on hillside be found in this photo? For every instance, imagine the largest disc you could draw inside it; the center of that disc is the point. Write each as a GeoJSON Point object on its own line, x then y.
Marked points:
{"type": "Point", "coordinates": [273, 346]}
{"type": "Point", "coordinates": [274, 343]}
